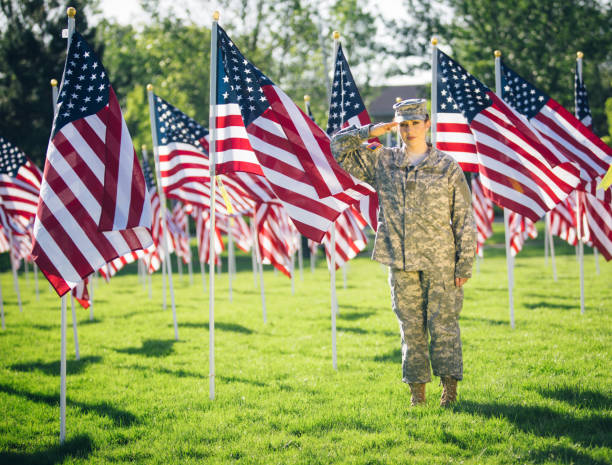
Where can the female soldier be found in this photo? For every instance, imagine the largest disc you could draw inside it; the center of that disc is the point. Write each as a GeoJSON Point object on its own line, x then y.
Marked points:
{"type": "Point", "coordinates": [426, 235]}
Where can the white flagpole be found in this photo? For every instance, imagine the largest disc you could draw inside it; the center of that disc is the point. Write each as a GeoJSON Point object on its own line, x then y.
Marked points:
{"type": "Point", "coordinates": [202, 265]}
{"type": "Point", "coordinates": [300, 258]}
{"type": "Point", "coordinates": [2, 309]}
{"type": "Point", "coordinates": [551, 247]}
{"type": "Point", "coordinates": [253, 252]}
{"type": "Point", "coordinates": [313, 258]}
{"type": "Point", "coordinates": [14, 269]}
{"type": "Point", "coordinates": [77, 356]}
{"type": "Point", "coordinates": [164, 291]}
{"type": "Point", "coordinates": [260, 267]}
{"type": "Point", "coordinates": [546, 239]}
{"type": "Point", "coordinates": [162, 209]}
{"type": "Point", "coordinates": [213, 160]}
{"type": "Point", "coordinates": [293, 273]}
{"type": "Point", "coordinates": [36, 281]}
{"type": "Point", "coordinates": [434, 90]}
{"type": "Point", "coordinates": [230, 254]}
{"type": "Point", "coordinates": [509, 259]}
{"type": "Point", "coordinates": [579, 57]}
{"type": "Point", "coordinates": [190, 263]}
{"type": "Point", "coordinates": [91, 298]}
{"type": "Point", "coordinates": [71, 14]}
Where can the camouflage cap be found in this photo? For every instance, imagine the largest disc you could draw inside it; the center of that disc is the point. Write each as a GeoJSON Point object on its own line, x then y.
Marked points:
{"type": "Point", "coordinates": [414, 108]}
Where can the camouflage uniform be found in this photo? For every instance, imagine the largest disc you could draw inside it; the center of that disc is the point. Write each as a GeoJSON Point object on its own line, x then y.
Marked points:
{"type": "Point", "coordinates": [426, 235]}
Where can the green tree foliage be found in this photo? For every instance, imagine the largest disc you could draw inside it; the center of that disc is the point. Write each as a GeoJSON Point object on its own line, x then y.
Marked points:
{"type": "Point", "coordinates": [32, 52]}
{"type": "Point", "coordinates": [538, 38]}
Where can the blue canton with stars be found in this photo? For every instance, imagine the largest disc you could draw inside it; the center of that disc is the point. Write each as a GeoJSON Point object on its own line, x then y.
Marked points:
{"type": "Point", "coordinates": [239, 81]}
{"type": "Point", "coordinates": [11, 158]}
{"type": "Point", "coordinates": [446, 104]}
{"type": "Point", "coordinates": [582, 101]}
{"type": "Point", "coordinates": [345, 99]}
{"type": "Point", "coordinates": [465, 90]}
{"type": "Point", "coordinates": [520, 94]}
{"type": "Point", "coordinates": [175, 126]}
{"type": "Point", "coordinates": [85, 86]}
{"type": "Point", "coordinates": [148, 175]}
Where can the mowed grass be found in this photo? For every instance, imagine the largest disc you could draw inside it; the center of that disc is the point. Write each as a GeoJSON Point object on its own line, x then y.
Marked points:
{"type": "Point", "coordinates": [541, 393]}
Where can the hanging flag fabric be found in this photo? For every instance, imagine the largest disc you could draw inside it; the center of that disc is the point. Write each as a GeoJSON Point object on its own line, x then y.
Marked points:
{"type": "Point", "coordinates": [517, 170]}
{"type": "Point", "coordinates": [261, 131]}
{"type": "Point", "coordinates": [19, 181]}
{"type": "Point", "coordinates": [81, 294]}
{"type": "Point", "coordinates": [483, 214]}
{"type": "Point", "coordinates": [520, 229]}
{"type": "Point", "coordinates": [276, 236]}
{"type": "Point", "coordinates": [179, 218]}
{"type": "Point", "coordinates": [94, 205]}
{"type": "Point", "coordinates": [350, 238]}
{"type": "Point", "coordinates": [241, 233]}
{"type": "Point", "coordinates": [453, 133]}
{"type": "Point", "coordinates": [560, 129]}
{"type": "Point", "coordinates": [202, 218]}
{"type": "Point", "coordinates": [581, 99]}
{"type": "Point", "coordinates": [111, 268]}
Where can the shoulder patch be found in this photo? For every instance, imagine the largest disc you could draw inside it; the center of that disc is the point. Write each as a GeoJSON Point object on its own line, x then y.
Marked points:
{"type": "Point", "coordinates": [373, 146]}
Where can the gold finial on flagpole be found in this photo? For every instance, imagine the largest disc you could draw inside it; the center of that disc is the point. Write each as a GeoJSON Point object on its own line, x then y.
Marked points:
{"type": "Point", "coordinates": [149, 87]}
{"type": "Point", "coordinates": [71, 12]}
{"type": "Point", "coordinates": [336, 35]}
{"type": "Point", "coordinates": [53, 82]}
{"type": "Point", "coordinates": [398, 99]}
{"type": "Point", "coordinates": [306, 98]}
{"type": "Point", "coordinates": [434, 41]}
{"type": "Point", "coordinates": [216, 16]}
{"type": "Point", "coordinates": [497, 53]}
{"type": "Point", "coordinates": [579, 55]}
{"type": "Point", "coordinates": [143, 147]}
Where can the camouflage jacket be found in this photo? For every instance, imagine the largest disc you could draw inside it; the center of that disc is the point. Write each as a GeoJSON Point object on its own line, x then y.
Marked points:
{"type": "Point", "coordinates": [426, 220]}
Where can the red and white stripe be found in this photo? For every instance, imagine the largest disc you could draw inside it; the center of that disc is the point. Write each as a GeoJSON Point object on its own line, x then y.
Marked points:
{"type": "Point", "coordinates": [483, 214]}
{"type": "Point", "coordinates": [203, 232]}
{"type": "Point", "coordinates": [349, 238]}
{"type": "Point", "coordinates": [114, 266]}
{"type": "Point", "coordinates": [275, 235]}
{"type": "Point", "coordinates": [241, 233]}
{"type": "Point", "coordinates": [454, 137]}
{"type": "Point", "coordinates": [520, 229]}
{"type": "Point", "coordinates": [518, 171]}
{"type": "Point", "coordinates": [180, 220]}
{"type": "Point", "coordinates": [93, 206]}
{"type": "Point", "coordinates": [81, 294]}
{"type": "Point", "coordinates": [20, 193]}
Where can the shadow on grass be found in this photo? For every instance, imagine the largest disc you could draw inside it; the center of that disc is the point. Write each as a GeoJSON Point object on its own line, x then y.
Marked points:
{"type": "Point", "coordinates": [489, 321]}
{"type": "Point", "coordinates": [550, 305]}
{"type": "Point", "coordinates": [151, 348]}
{"type": "Point", "coordinates": [117, 416]}
{"type": "Point", "coordinates": [347, 329]}
{"type": "Point", "coordinates": [43, 327]}
{"type": "Point", "coordinates": [236, 379]}
{"type": "Point", "coordinates": [352, 316]}
{"type": "Point", "coordinates": [562, 454]}
{"type": "Point", "coordinates": [395, 356]}
{"type": "Point", "coordinates": [582, 398]}
{"type": "Point", "coordinates": [233, 327]}
{"type": "Point", "coordinates": [165, 371]}
{"type": "Point", "coordinates": [73, 367]}
{"type": "Point", "coordinates": [95, 321]}
{"type": "Point", "coordinates": [589, 431]}
{"type": "Point", "coordinates": [78, 447]}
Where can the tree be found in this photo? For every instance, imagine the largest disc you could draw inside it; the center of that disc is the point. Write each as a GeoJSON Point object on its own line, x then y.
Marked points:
{"type": "Point", "coordinates": [538, 38]}
{"type": "Point", "coordinates": [32, 52]}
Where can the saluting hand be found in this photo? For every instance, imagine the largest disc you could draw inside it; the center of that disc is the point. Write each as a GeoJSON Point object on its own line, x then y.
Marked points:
{"type": "Point", "coordinates": [382, 128]}
{"type": "Point", "coordinates": [460, 281]}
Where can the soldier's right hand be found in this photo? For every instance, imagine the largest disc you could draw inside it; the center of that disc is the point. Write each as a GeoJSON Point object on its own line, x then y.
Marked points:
{"type": "Point", "coordinates": [382, 128]}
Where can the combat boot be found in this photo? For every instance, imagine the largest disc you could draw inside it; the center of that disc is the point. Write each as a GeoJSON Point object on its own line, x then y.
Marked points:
{"type": "Point", "coordinates": [449, 391]}
{"type": "Point", "coordinates": [417, 391]}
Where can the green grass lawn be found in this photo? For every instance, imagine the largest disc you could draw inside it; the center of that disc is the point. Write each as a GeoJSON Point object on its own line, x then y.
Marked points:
{"type": "Point", "coordinates": [541, 393]}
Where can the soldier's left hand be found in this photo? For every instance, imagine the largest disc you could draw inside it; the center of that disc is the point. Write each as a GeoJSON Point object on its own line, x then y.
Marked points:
{"type": "Point", "coordinates": [460, 281]}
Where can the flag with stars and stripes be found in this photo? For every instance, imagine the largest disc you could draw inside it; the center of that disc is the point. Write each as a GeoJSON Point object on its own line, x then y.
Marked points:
{"type": "Point", "coordinates": [581, 99]}
{"type": "Point", "coordinates": [276, 235]}
{"type": "Point", "coordinates": [349, 239]}
{"type": "Point", "coordinates": [261, 131]}
{"type": "Point", "coordinates": [94, 205]}
{"type": "Point", "coordinates": [453, 134]}
{"type": "Point", "coordinates": [483, 214]}
{"type": "Point", "coordinates": [520, 229]}
{"type": "Point", "coordinates": [346, 106]}
{"type": "Point", "coordinates": [517, 170]}
{"type": "Point", "coordinates": [560, 129]}
{"type": "Point", "coordinates": [19, 181]}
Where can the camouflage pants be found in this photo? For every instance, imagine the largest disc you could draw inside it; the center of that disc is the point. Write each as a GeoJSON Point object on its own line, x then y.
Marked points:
{"type": "Point", "coordinates": [427, 302]}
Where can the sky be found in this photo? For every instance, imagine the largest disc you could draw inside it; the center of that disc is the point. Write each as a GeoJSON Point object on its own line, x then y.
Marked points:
{"type": "Point", "coordinates": [130, 12]}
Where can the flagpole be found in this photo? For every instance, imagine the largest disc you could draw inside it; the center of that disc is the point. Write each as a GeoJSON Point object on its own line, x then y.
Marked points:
{"type": "Point", "coordinates": [200, 259]}
{"type": "Point", "coordinates": [293, 273]}
{"type": "Point", "coordinates": [54, 96]}
{"type": "Point", "coordinates": [162, 206]}
{"type": "Point", "coordinates": [509, 259]}
{"type": "Point", "coordinates": [71, 12]}
{"type": "Point", "coordinates": [35, 268]}
{"type": "Point", "coordinates": [2, 309]}
{"type": "Point", "coordinates": [398, 138]}
{"type": "Point", "coordinates": [77, 356]}
{"type": "Point", "coordinates": [579, 56]}
{"type": "Point", "coordinates": [434, 90]}
{"type": "Point", "coordinates": [260, 266]}
{"type": "Point", "coordinates": [300, 258]}
{"type": "Point", "coordinates": [14, 269]}
{"type": "Point", "coordinates": [551, 242]}
{"type": "Point", "coordinates": [253, 257]}
{"type": "Point", "coordinates": [213, 160]}
{"type": "Point", "coordinates": [190, 263]}
{"type": "Point", "coordinates": [91, 298]}
{"type": "Point", "coordinates": [164, 291]}
{"type": "Point", "coordinates": [546, 239]}
{"type": "Point", "coordinates": [230, 254]}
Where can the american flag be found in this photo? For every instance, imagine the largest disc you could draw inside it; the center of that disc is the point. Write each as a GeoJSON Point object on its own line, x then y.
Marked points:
{"type": "Point", "coordinates": [517, 170]}
{"type": "Point", "coordinates": [581, 99]}
{"type": "Point", "coordinates": [81, 294]}
{"type": "Point", "coordinates": [520, 229]}
{"type": "Point", "coordinates": [202, 218]}
{"type": "Point", "coordinates": [94, 205]}
{"type": "Point", "coordinates": [19, 181]}
{"type": "Point", "coordinates": [453, 134]}
{"type": "Point", "coordinates": [350, 238]}
{"type": "Point", "coordinates": [276, 236]}
{"type": "Point", "coordinates": [241, 233]}
{"type": "Point", "coordinates": [562, 221]}
{"type": "Point", "coordinates": [483, 214]}
{"type": "Point", "coordinates": [111, 268]}
{"type": "Point", "coordinates": [181, 220]}
{"type": "Point", "coordinates": [261, 131]}
{"type": "Point", "coordinates": [560, 129]}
